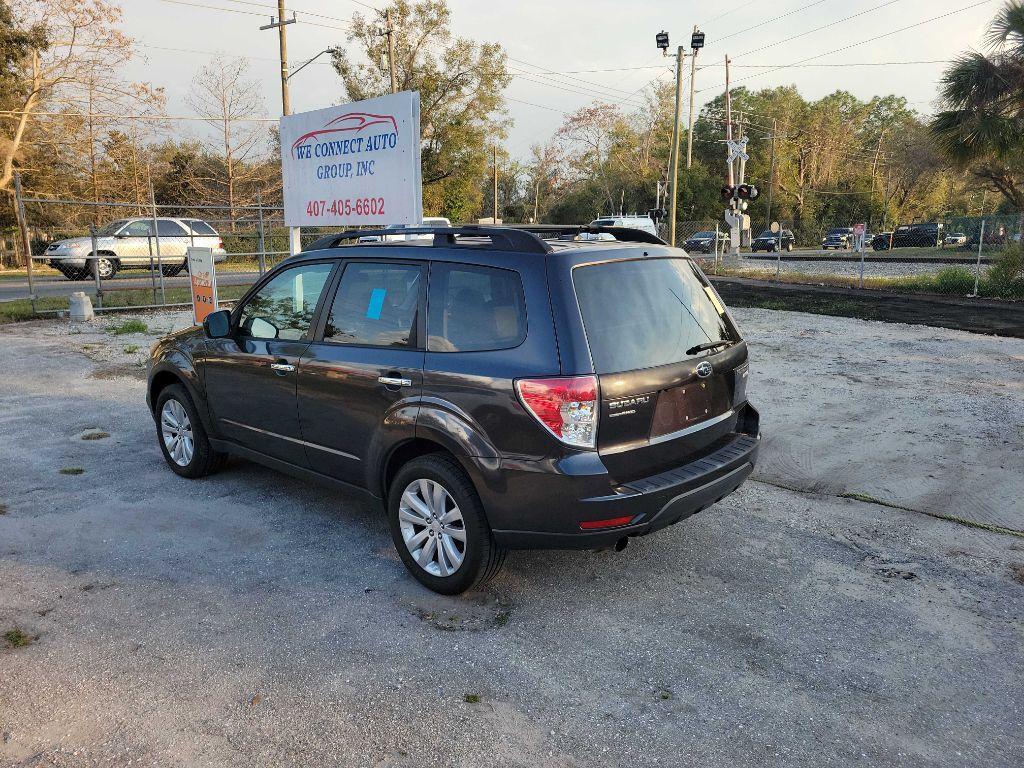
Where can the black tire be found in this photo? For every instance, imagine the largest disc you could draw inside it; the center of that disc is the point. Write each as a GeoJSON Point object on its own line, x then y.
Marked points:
{"type": "Point", "coordinates": [483, 556]}
{"type": "Point", "coordinates": [789, 248]}
{"type": "Point", "coordinates": [172, 270]}
{"type": "Point", "coordinates": [71, 273]}
{"type": "Point", "coordinates": [205, 460]}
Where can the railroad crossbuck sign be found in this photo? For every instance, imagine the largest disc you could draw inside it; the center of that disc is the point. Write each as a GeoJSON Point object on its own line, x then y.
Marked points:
{"type": "Point", "coordinates": [356, 163]}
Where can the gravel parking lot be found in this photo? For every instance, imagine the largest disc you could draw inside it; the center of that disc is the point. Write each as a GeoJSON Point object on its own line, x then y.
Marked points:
{"type": "Point", "coordinates": [827, 614]}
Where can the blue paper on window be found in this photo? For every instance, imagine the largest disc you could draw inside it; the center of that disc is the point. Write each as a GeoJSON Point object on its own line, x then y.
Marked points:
{"type": "Point", "coordinates": [376, 304]}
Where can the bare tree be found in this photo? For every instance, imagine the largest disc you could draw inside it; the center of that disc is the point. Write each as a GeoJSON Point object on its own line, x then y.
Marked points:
{"type": "Point", "coordinates": [225, 95]}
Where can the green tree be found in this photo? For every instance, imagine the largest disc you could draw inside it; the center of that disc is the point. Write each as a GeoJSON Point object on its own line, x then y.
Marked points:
{"type": "Point", "coordinates": [462, 110]}
{"type": "Point", "coordinates": [982, 124]}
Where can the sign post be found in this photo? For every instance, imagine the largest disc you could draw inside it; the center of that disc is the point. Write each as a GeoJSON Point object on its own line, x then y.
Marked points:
{"type": "Point", "coordinates": [354, 164]}
{"type": "Point", "coordinates": [858, 240]}
{"type": "Point", "coordinates": [203, 278]}
{"type": "Point", "coordinates": [777, 231]}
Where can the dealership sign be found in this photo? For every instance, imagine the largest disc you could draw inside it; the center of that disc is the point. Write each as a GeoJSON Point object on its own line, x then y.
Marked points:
{"type": "Point", "coordinates": [203, 278]}
{"type": "Point", "coordinates": [353, 164]}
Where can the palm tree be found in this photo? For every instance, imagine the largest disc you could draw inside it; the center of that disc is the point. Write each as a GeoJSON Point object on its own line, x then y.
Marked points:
{"type": "Point", "coordinates": [982, 125]}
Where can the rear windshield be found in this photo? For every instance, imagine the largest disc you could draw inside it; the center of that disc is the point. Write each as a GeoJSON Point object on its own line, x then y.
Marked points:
{"type": "Point", "coordinates": [200, 227]}
{"type": "Point", "coordinates": [603, 223]}
{"type": "Point", "coordinates": [645, 313]}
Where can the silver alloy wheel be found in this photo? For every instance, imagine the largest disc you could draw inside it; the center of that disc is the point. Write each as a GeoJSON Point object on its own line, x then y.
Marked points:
{"type": "Point", "coordinates": [432, 527]}
{"type": "Point", "coordinates": [105, 267]}
{"type": "Point", "coordinates": [176, 430]}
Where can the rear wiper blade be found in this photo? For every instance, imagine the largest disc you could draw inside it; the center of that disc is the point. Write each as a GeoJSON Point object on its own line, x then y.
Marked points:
{"type": "Point", "coordinates": [708, 345]}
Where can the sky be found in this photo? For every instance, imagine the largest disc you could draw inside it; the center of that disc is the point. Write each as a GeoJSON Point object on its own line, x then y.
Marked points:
{"type": "Point", "coordinates": [573, 38]}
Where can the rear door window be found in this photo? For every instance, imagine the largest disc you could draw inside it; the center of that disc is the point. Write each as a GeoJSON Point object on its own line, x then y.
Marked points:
{"type": "Point", "coordinates": [168, 228]}
{"type": "Point", "coordinates": [200, 227]}
{"type": "Point", "coordinates": [473, 309]}
{"type": "Point", "coordinates": [376, 305]}
{"type": "Point", "coordinates": [645, 313]}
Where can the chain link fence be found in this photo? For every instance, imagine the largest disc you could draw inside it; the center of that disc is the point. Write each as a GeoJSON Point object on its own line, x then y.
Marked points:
{"type": "Point", "coordinates": [131, 255]}
{"type": "Point", "coordinates": [134, 255]}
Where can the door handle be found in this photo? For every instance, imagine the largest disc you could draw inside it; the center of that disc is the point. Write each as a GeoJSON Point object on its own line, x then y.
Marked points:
{"type": "Point", "coordinates": [394, 381]}
{"type": "Point", "coordinates": [283, 367]}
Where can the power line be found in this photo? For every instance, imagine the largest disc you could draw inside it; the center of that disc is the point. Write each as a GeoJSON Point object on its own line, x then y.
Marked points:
{"type": "Point", "coordinates": [843, 65]}
{"type": "Point", "coordinates": [772, 20]}
{"type": "Point", "coordinates": [816, 29]}
{"type": "Point", "coordinates": [574, 89]}
{"type": "Point", "coordinates": [248, 13]}
{"type": "Point", "coordinates": [13, 113]}
{"type": "Point", "coordinates": [546, 71]}
{"type": "Point", "coordinates": [859, 43]}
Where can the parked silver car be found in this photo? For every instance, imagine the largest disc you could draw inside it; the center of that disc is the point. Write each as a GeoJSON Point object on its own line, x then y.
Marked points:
{"type": "Point", "coordinates": [128, 243]}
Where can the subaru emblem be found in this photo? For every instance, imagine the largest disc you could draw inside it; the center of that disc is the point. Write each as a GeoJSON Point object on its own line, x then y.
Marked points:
{"type": "Point", "coordinates": [704, 369]}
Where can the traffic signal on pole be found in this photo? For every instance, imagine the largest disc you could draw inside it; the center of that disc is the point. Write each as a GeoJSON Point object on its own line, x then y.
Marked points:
{"type": "Point", "coordinates": [728, 194]}
{"type": "Point", "coordinates": [747, 192]}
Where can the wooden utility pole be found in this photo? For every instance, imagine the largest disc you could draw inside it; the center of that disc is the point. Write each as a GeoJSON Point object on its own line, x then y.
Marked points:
{"type": "Point", "coordinates": [494, 214]}
{"type": "Point", "coordinates": [689, 127]}
{"type": "Point", "coordinates": [728, 114]}
{"type": "Point", "coordinates": [771, 172]}
{"type": "Point", "coordinates": [390, 32]}
{"type": "Point", "coordinates": [874, 168]}
{"type": "Point", "coordinates": [674, 153]}
{"type": "Point", "coordinates": [26, 241]}
{"type": "Point", "coordinates": [279, 24]}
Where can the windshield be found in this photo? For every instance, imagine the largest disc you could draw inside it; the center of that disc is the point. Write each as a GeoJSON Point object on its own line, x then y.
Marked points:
{"type": "Point", "coordinates": [111, 228]}
{"type": "Point", "coordinates": [767, 235]}
{"type": "Point", "coordinates": [835, 232]}
{"type": "Point", "coordinates": [603, 223]}
{"type": "Point", "coordinates": [645, 313]}
{"type": "Point", "coordinates": [702, 235]}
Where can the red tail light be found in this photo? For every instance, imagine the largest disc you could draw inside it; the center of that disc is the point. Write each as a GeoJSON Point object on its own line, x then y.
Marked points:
{"type": "Point", "coordinates": [220, 243]}
{"type": "Point", "coordinates": [567, 407]}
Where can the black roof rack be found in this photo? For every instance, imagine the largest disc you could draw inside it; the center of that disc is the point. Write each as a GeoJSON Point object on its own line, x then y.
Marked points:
{"type": "Point", "coordinates": [570, 231]}
{"type": "Point", "coordinates": [502, 238]}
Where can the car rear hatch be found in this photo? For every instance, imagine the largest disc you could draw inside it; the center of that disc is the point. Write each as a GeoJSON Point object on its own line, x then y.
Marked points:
{"type": "Point", "coordinates": [665, 399]}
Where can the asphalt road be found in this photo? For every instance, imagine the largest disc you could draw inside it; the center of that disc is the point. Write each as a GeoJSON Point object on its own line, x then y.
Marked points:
{"type": "Point", "coordinates": [50, 285]}
{"type": "Point", "coordinates": [250, 619]}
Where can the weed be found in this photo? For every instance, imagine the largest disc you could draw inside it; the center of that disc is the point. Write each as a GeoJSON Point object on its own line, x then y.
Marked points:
{"type": "Point", "coordinates": [501, 618]}
{"type": "Point", "coordinates": [3, 509]}
{"type": "Point", "coordinates": [16, 638]}
{"type": "Point", "coordinates": [471, 698]}
{"type": "Point", "coordinates": [665, 695]}
{"type": "Point", "coordinates": [130, 349]}
{"type": "Point", "coordinates": [95, 434]}
{"type": "Point", "coordinates": [72, 471]}
{"type": "Point", "coordinates": [129, 326]}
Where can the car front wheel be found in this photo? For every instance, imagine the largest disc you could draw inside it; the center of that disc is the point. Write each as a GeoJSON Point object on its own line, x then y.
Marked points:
{"type": "Point", "coordinates": [183, 440]}
{"type": "Point", "coordinates": [439, 527]}
{"type": "Point", "coordinates": [103, 267]}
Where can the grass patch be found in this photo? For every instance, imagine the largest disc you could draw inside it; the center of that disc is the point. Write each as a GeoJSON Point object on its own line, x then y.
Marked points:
{"type": "Point", "coordinates": [95, 434]}
{"type": "Point", "coordinates": [72, 471]}
{"type": "Point", "coordinates": [21, 309]}
{"type": "Point", "coordinates": [130, 349]}
{"type": "Point", "coordinates": [471, 698]}
{"type": "Point", "coordinates": [3, 509]}
{"type": "Point", "coordinates": [16, 638]}
{"type": "Point", "coordinates": [129, 326]}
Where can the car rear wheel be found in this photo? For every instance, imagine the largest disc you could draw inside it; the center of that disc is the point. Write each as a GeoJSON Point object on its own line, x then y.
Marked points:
{"type": "Point", "coordinates": [439, 527]}
{"type": "Point", "coordinates": [172, 270]}
{"type": "Point", "coordinates": [105, 267]}
{"type": "Point", "coordinates": [183, 440]}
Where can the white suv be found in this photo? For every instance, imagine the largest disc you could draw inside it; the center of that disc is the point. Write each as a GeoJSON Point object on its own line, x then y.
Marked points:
{"type": "Point", "coordinates": [643, 223]}
{"type": "Point", "coordinates": [130, 243]}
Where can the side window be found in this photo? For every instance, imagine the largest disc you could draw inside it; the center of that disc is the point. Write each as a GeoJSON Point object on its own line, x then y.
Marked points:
{"type": "Point", "coordinates": [200, 227]}
{"type": "Point", "coordinates": [376, 305]}
{"type": "Point", "coordinates": [138, 229]}
{"type": "Point", "coordinates": [283, 308]}
{"type": "Point", "coordinates": [168, 228]}
{"type": "Point", "coordinates": [473, 309]}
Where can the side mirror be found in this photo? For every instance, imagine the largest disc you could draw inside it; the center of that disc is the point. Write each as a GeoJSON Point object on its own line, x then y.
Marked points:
{"type": "Point", "coordinates": [217, 325]}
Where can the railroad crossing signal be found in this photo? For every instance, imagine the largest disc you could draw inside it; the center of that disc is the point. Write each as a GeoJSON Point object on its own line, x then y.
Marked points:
{"type": "Point", "coordinates": [697, 41]}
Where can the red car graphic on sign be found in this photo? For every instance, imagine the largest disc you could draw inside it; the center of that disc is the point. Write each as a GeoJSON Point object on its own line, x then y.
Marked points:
{"type": "Point", "coordinates": [350, 122]}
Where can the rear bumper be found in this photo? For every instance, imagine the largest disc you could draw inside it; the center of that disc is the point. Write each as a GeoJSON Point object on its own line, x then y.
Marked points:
{"type": "Point", "coordinates": [555, 499]}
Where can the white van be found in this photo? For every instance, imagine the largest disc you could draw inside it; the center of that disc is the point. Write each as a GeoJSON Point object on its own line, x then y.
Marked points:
{"type": "Point", "coordinates": [644, 223]}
